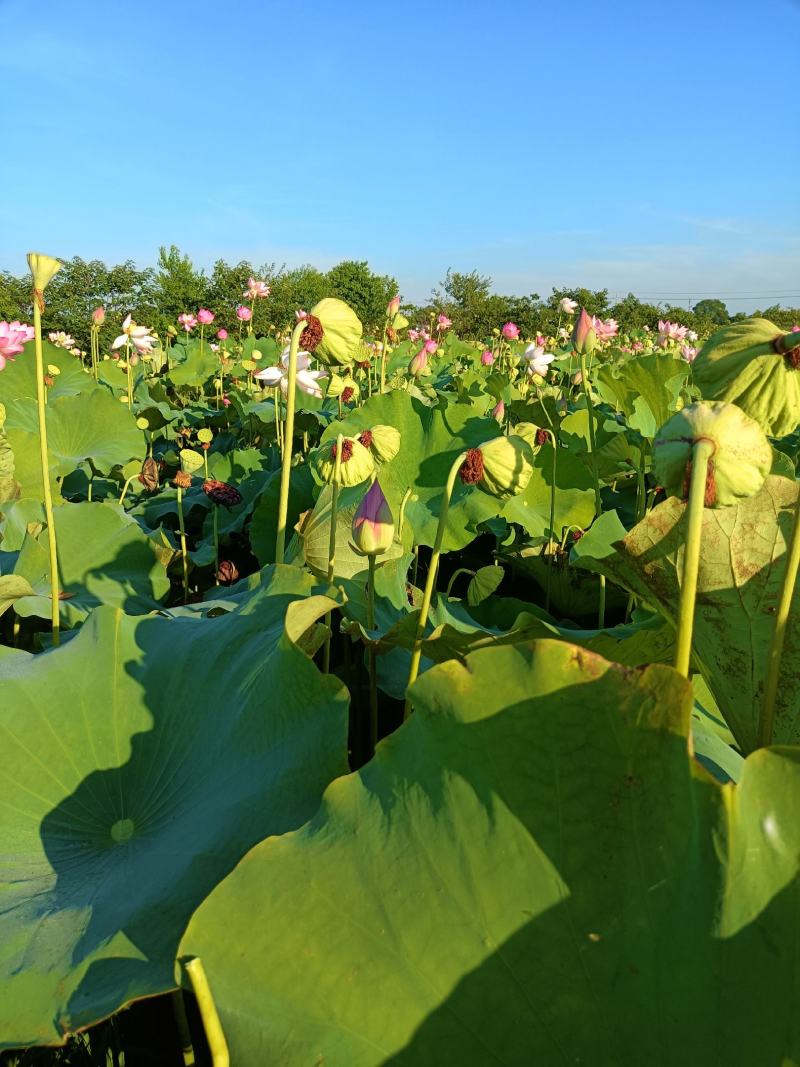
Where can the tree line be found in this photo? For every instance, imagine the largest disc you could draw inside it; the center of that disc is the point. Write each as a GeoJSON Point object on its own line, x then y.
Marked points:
{"type": "Point", "coordinates": [155, 296]}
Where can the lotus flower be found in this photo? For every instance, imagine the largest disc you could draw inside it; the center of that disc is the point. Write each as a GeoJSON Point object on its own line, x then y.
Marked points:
{"type": "Point", "coordinates": [187, 320]}
{"type": "Point", "coordinates": [670, 331]}
{"type": "Point", "coordinates": [13, 337]}
{"type": "Point", "coordinates": [61, 339]}
{"type": "Point", "coordinates": [487, 357]}
{"type": "Point", "coordinates": [373, 523]}
{"type": "Point", "coordinates": [244, 314]}
{"type": "Point", "coordinates": [256, 288]}
{"type": "Point", "coordinates": [605, 329]}
{"type": "Point", "coordinates": [393, 307]}
{"type": "Point", "coordinates": [222, 335]}
{"type": "Point", "coordinates": [205, 317]}
{"type": "Point", "coordinates": [538, 359]}
{"type": "Point", "coordinates": [99, 316]}
{"type": "Point", "coordinates": [689, 353]}
{"type": "Point", "coordinates": [443, 323]}
{"type": "Point", "coordinates": [584, 335]}
{"type": "Point", "coordinates": [567, 306]}
{"type": "Point", "coordinates": [307, 380]}
{"type": "Point", "coordinates": [139, 336]}
{"type": "Point", "coordinates": [510, 331]}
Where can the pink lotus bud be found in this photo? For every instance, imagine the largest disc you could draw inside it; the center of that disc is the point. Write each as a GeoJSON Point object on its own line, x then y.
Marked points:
{"type": "Point", "coordinates": [373, 524]}
{"type": "Point", "coordinates": [393, 307]}
{"type": "Point", "coordinates": [99, 316]}
{"type": "Point", "coordinates": [243, 314]}
{"type": "Point", "coordinates": [419, 363]}
{"type": "Point", "coordinates": [498, 411]}
{"type": "Point", "coordinates": [540, 340]}
{"type": "Point", "coordinates": [510, 331]}
{"type": "Point", "coordinates": [430, 347]}
{"type": "Point", "coordinates": [584, 339]}
{"type": "Point", "coordinates": [487, 358]}
{"type": "Point", "coordinates": [225, 402]}
{"type": "Point", "coordinates": [205, 317]}
{"type": "Point", "coordinates": [222, 335]}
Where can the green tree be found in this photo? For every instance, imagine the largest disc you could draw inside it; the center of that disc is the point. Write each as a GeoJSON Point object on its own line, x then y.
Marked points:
{"type": "Point", "coordinates": [365, 292]}
{"type": "Point", "coordinates": [179, 286]}
{"type": "Point", "coordinates": [632, 314]}
{"type": "Point", "coordinates": [713, 310]}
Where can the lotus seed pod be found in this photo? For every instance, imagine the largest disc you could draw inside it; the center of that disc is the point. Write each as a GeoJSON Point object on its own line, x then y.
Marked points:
{"type": "Point", "coordinates": [149, 476]}
{"type": "Point", "coordinates": [752, 364]}
{"type": "Point", "coordinates": [228, 572]}
{"type": "Point", "coordinates": [191, 461]}
{"type": "Point", "coordinates": [507, 466]}
{"type": "Point", "coordinates": [741, 460]}
{"type": "Point", "coordinates": [43, 269]}
{"type": "Point", "coordinates": [382, 441]}
{"type": "Point", "coordinates": [205, 435]}
{"type": "Point", "coordinates": [373, 523]}
{"type": "Point", "coordinates": [182, 480]}
{"type": "Point", "coordinates": [222, 493]}
{"type": "Point", "coordinates": [333, 332]}
{"type": "Point", "coordinates": [356, 465]}
{"type": "Point", "coordinates": [528, 432]}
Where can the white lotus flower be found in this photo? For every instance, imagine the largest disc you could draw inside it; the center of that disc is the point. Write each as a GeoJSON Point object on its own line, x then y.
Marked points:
{"type": "Point", "coordinates": [568, 306]}
{"type": "Point", "coordinates": [538, 359]}
{"type": "Point", "coordinates": [307, 380]}
{"type": "Point", "coordinates": [139, 336]}
{"type": "Point", "coordinates": [61, 339]}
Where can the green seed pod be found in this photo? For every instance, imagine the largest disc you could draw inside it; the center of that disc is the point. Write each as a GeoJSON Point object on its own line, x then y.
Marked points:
{"type": "Point", "coordinates": [356, 466]}
{"type": "Point", "coordinates": [753, 365]}
{"type": "Point", "coordinates": [382, 441]}
{"type": "Point", "coordinates": [191, 461]}
{"type": "Point", "coordinates": [205, 436]}
{"type": "Point", "coordinates": [333, 332]}
{"type": "Point", "coordinates": [742, 454]}
{"type": "Point", "coordinates": [507, 466]}
{"type": "Point", "coordinates": [527, 431]}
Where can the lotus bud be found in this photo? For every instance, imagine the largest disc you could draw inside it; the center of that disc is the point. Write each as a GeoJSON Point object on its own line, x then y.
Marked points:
{"type": "Point", "coordinates": [498, 411]}
{"type": "Point", "coordinates": [382, 441]}
{"type": "Point", "coordinates": [741, 460]}
{"type": "Point", "coordinates": [419, 364]}
{"type": "Point", "coordinates": [205, 317]}
{"type": "Point", "coordinates": [502, 466]}
{"type": "Point", "coordinates": [373, 524]}
{"type": "Point", "coordinates": [191, 461]}
{"type": "Point", "coordinates": [392, 307]}
{"type": "Point", "coordinates": [99, 316]}
{"type": "Point", "coordinates": [487, 358]}
{"type": "Point", "coordinates": [222, 336]}
{"type": "Point", "coordinates": [356, 464]}
{"type": "Point", "coordinates": [333, 332]}
{"type": "Point", "coordinates": [171, 331]}
{"type": "Point", "coordinates": [43, 270]}
{"type": "Point", "coordinates": [584, 338]}
{"type": "Point", "coordinates": [510, 331]}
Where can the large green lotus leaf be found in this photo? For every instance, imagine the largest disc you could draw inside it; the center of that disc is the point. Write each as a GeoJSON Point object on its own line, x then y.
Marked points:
{"type": "Point", "coordinates": [742, 563]}
{"type": "Point", "coordinates": [18, 380]}
{"type": "Point", "coordinates": [531, 871]}
{"type": "Point", "coordinates": [16, 516]}
{"type": "Point", "coordinates": [430, 441]}
{"type": "Point", "coordinates": [316, 535]}
{"type": "Point", "coordinates": [264, 524]}
{"type": "Point", "coordinates": [140, 762]}
{"type": "Point", "coordinates": [197, 366]}
{"type": "Point", "coordinates": [8, 484]}
{"type": "Point", "coordinates": [646, 389]}
{"type": "Point", "coordinates": [575, 504]}
{"type": "Point", "coordinates": [91, 427]}
{"type": "Point", "coordinates": [104, 558]}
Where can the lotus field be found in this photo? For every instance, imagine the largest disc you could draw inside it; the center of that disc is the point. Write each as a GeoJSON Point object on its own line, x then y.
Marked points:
{"type": "Point", "coordinates": [402, 699]}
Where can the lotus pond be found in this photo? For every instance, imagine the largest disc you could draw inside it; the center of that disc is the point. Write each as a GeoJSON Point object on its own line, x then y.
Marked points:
{"type": "Point", "coordinates": [408, 699]}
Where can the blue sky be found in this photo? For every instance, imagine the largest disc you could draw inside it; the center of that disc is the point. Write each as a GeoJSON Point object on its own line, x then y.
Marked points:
{"type": "Point", "coordinates": [632, 146]}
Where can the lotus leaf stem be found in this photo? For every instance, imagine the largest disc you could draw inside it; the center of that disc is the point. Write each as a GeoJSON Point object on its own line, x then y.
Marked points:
{"type": "Point", "coordinates": [430, 581]}
{"type": "Point", "coordinates": [703, 450]}
{"type": "Point", "coordinates": [383, 357]}
{"type": "Point", "coordinates": [217, 1045]}
{"type": "Point", "coordinates": [456, 574]}
{"type": "Point", "coordinates": [551, 528]}
{"type": "Point", "coordinates": [184, 553]}
{"type": "Point", "coordinates": [371, 658]}
{"type": "Point", "coordinates": [766, 723]}
{"type": "Point", "coordinates": [182, 1025]}
{"type": "Point", "coordinates": [337, 473]}
{"type": "Point", "coordinates": [41, 402]}
{"type": "Point", "coordinates": [288, 433]}
{"type": "Point", "coordinates": [598, 503]}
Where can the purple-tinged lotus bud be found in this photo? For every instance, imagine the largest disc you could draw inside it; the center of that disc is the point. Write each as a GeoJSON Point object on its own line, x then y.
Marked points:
{"type": "Point", "coordinates": [584, 338]}
{"type": "Point", "coordinates": [392, 307]}
{"type": "Point", "coordinates": [419, 364]}
{"type": "Point", "coordinates": [373, 524]}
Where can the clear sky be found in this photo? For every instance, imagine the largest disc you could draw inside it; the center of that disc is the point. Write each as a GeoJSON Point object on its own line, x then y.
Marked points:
{"type": "Point", "coordinates": [627, 145]}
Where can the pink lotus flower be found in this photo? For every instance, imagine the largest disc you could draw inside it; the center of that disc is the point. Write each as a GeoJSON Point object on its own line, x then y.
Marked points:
{"type": "Point", "coordinates": [393, 307]}
{"type": "Point", "coordinates": [256, 288]}
{"type": "Point", "coordinates": [413, 335]}
{"type": "Point", "coordinates": [605, 330]}
{"type": "Point", "coordinates": [541, 340]}
{"type": "Point", "coordinates": [244, 314]}
{"type": "Point", "coordinates": [226, 402]}
{"type": "Point", "coordinates": [487, 358]}
{"type": "Point", "coordinates": [430, 347]}
{"type": "Point", "coordinates": [222, 335]}
{"type": "Point", "coordinates": [205, 317]}
{"type": "Point", "coordinates": [188, 321]}
{"type": "Point", "coordinates": [373, 523]}
{"type": "Point", "coordinates": [443, 323]}
{"type": "Point", "coordinates": [510, 331]}
{"type": "Point", "coordinates": [13, 337]}
{"type": "Point", "coordinates": [670, 331]}
{"type": "Point", "coordinates": [689, 353]}
{"type": "Point", "coordinates": [99, 316]}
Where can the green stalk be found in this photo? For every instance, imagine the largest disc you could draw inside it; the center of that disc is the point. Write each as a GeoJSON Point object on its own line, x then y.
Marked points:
{"type": "Point", "coordinates": [430, 582]}
{"type": "Point", "coordinates": [217, 1045]}
{"type": "Point", "coordinates": [456, 574]}
{"type": "Point", "coordinates": [383, 358]}
{"type": "Point", "coordinates": [373, 670]}
{"type": "Point", "coordinates": [552, 522]}
{"type": "Point", "coordinates": [598, 504]}
{"type": "Point", "coordinates": [182, 1026]}
{"type": "Point", "coordinates": [288, 433]}
{"type": "Point", "coordinates": [184, 554]}
{"type": "Point", "coordinates": [766, 722]}
{"type": "Point", "coordinates": [41, 402]}
{"type": "Point", "coordinates": [691, 554]}
{"type": "Point", "coordinates": [128, 374]}
{"type": "Point", "coordinates": [337, 471]}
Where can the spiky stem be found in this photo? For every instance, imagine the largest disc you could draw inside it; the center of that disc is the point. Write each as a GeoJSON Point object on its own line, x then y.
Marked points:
{"type": "Point", "coordinates": [288, 433]}
{"type": "Point", "coordinates": [766, 722]}
{"type": "Point", "coordinates": [430, 581]}
{"type": "Point", "coordinates": [701, 454]}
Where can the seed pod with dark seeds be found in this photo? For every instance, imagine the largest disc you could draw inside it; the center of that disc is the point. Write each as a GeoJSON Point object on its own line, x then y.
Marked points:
{"type": "Point", "coordinates": [227, 572]}
{"type": "Point", "coordinates": [149, 475]}
{"type": "Point", "coordinates": [222, 493]}
{"type": "Point", "coordinates": [182, 480]}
